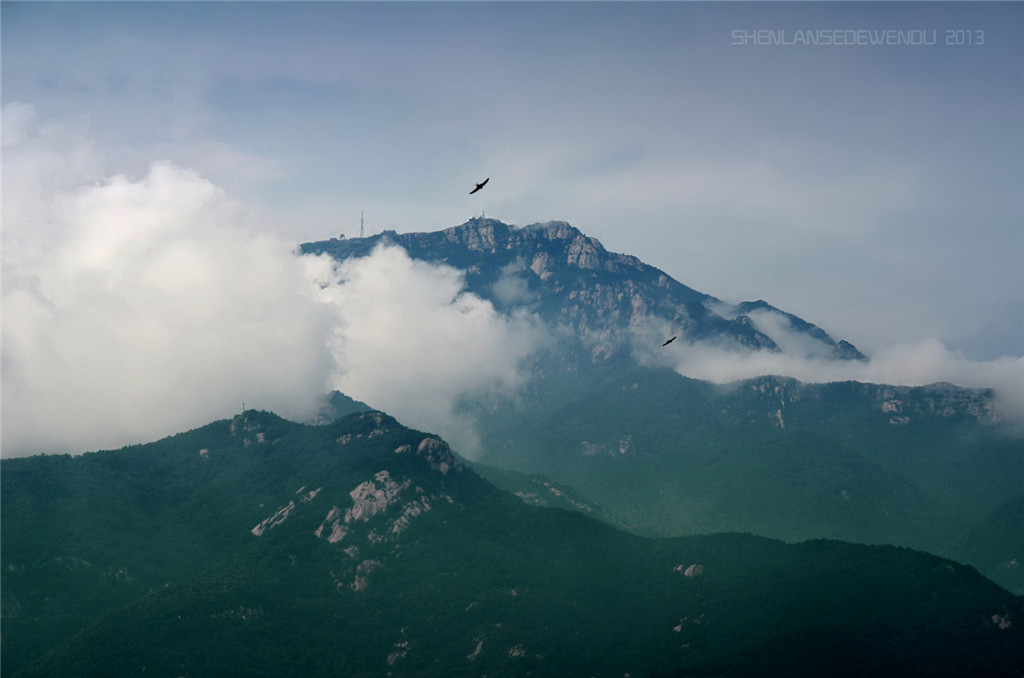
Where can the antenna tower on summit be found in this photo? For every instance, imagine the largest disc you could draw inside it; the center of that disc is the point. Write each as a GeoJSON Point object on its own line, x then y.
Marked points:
{"type": "Point", "coordinates": [360, 223]}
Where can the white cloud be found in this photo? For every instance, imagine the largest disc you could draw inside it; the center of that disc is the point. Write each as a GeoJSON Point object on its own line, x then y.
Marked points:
{"type": "Point", "coordinates": [135, 308]}
{"type": "Point", "coordinates": [802, 357]}
{"type": "Point", "coordinates": [409, 341]}
{"type": "Point", "coordinates": [790, 341]}
{"type": "Point", "coordinates": [917, 364]}
{"type": "Point", "coordinates": [511, 288]}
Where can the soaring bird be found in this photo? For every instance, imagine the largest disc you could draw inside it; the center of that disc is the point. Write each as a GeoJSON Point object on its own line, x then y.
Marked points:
{"type": "Point", "coordinates": [669, 341]}
{"type": "Point", "coordinates": [480, 185]}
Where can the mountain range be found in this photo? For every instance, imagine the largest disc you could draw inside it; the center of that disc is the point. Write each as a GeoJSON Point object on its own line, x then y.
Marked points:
{"type": "Point", "coordinates": [260, 547]}
{"type": "Point", "coordinates": [618, 518]}
{"type": "Point", "coordinates": [930, 467]}
{"type": "Point", "coordinates": [598, 298]}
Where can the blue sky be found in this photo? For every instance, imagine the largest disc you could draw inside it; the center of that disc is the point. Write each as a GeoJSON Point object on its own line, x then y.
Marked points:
{"type": "Point", "coordinates": [873, 190]}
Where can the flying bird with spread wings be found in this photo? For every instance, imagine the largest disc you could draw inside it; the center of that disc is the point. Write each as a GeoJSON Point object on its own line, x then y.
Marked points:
{"type": "Point", "coordinates": [480, 185]}
{"type": "Point", "coordinates": [669, 341]}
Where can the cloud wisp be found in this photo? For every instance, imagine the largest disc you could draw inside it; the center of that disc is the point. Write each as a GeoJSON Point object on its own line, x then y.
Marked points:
{"type": "Point", "coordinates": [925, 362]}
{"type": "Point", "coordinates": [805, 358]}
{"type": "Point", "coordinates": [410, 341]}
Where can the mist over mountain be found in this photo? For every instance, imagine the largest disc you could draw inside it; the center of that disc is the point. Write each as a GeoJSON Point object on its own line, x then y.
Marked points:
{"type": "Point", "coordinates": [163, 279]}
{"type": "Point", "coordinates": [362, 544]}
{"type": "Point", "coordinates": [602, 306]}
{"type": "Point", "coordinates": [573, 283]}
{"type": "Point", "coordinates": [734, 437]}
{"type": "Point", "coordinates": [598, 405]}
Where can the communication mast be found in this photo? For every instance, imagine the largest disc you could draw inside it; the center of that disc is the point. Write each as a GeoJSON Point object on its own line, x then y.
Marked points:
{"type": "Point", "coordinates": [361, 223]}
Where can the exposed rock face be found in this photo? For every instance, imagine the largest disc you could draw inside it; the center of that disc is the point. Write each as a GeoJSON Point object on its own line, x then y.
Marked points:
{"type": "Point", "coordinates": [690, 572]}
{"type": "Point", "coordinates": [439, 454]}
{"type": "Point", "coordinates": [277, 518]}
{"type": "Point", "coordinates": [540, 266]}
{"type": "Point", "coordinates": [435, 451]}
{"type": "Point", "coordinates": [250, 431]}
{"type": "Point", "coordinates": [362, 579]}
{"type": "Point", "coordinates": [584, 253]}
{"type": "Point", "coordinates": [940, 399]}
{"type": "Point", "coordinates": [569, 280]}
{"type": "Point", "coordinates": [383, 503]}
{"type": "Point", "coordinates": [899, 405]}
{"type": "Point", "coordinates": [334, 522]}
{"type": "Point", "coordinates": [374, 496]}
{"type": "Point", "coordinates": [1001, 621]}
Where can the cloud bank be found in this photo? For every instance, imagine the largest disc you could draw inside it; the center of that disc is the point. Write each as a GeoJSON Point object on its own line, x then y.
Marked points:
{"type": "Point", "coordinates": [807, 359]}
{"type": "Point", "coordinates": [135, 308]}
{"type": "Point", "coordinates": [139, 307]}
{"type": "Point", "coordinates": [924, 362]}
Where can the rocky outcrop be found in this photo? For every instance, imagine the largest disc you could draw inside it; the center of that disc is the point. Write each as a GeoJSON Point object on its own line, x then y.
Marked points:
{"type": "Point", "coordinates": [383, 503]}
{"type": "Point", "coordinates": [374, 496]}
{"type": "Point", "coordinates": [941, 399]}
{"type": "Point", "coordinates": [277, 518]}
{"type": "Point", "coordinates": [435, 451]}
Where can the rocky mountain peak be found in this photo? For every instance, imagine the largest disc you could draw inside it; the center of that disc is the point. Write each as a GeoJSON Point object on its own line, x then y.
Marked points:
{"type": "Point", "coordinates": [570, 280]}
{"type": "Point", "coordinates": [490, 235]}
{"type": "Point", "coordinates": [557, 230]}
{"type": "Point", "coordinates": [749, 311]}
{"type": "Point", "coordinates": [480, 234]}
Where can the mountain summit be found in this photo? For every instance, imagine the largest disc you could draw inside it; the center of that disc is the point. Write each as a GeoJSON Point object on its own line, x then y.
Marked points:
{"type": "Point", "coordinates": [571, 281]}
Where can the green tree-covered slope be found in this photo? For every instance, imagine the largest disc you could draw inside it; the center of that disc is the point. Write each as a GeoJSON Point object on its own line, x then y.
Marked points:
{"type": "Point", "coordinates": [257, 546]}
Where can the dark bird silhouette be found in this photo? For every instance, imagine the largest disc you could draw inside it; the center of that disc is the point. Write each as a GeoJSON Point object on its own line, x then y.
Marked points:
{"type": "Point", "coordinates": [669, 341]}
{"type": "Point", "coordinates": [480, 185]}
